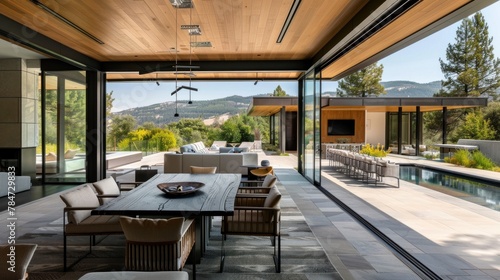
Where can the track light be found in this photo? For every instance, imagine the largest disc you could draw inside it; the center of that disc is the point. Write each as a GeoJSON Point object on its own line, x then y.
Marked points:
{"type": "Point", "coordinates": [255, 82]}
{"type": "Point", "coordinates": [157, 83]}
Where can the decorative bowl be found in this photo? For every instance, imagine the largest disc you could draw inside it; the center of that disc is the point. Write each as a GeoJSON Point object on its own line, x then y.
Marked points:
{"type": "Point", "coordinates": [180, 188]}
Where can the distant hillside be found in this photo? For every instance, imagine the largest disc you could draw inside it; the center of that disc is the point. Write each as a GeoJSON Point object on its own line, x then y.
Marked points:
{"type": "Point", "coordinates": [411, 89]}
{"type": "Point", "coordinates": [163, 113]}
{"type": "Point", "coordinates": [406, 89]}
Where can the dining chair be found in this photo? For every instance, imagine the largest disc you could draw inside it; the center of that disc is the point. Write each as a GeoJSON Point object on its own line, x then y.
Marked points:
{"type": "Point", "coordinates": [203, 169]}
{"type": "Point", "coordinates": [158, 244]}
{"type": "Point", "coordinates": [256, 215]}
{"type": "Point", "coordinates": [254, 186]}
{"type": "Point", "coordinates": [22, 254]}
{"type": "Point", "coordinates": [262, 172]}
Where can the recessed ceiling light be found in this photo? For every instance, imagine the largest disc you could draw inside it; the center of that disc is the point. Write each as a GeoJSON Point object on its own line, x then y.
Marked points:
{"type": "Point", "coordinates": [201, 44]}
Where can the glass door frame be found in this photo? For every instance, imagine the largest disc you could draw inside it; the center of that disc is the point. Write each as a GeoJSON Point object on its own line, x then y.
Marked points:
{"type": "Point", "coordinates": [310, 126]}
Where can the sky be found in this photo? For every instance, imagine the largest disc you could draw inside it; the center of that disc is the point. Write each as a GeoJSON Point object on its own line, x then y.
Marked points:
{"type": "Point", "coordinates": [418, 62]}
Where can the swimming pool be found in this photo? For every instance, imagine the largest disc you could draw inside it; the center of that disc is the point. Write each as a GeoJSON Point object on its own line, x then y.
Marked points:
{"type": "Point", "coordinates": [482, 193]}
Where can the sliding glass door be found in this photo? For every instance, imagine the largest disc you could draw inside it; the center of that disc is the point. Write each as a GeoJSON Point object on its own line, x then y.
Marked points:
{"type": "Point", "coordinates": [61, 153]}
{"type": "Point", "coordinates": [311, 106]}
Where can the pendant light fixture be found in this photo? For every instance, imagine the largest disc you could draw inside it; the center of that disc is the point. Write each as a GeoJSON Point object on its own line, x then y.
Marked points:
{"type": "Point", "coordinates": [190, 47]}
{"type": "Point", "coordinates": [176, 50]}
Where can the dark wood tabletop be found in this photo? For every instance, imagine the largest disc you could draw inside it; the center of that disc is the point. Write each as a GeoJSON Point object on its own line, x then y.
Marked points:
{"type": "Point", "coordinates": [216, 198]}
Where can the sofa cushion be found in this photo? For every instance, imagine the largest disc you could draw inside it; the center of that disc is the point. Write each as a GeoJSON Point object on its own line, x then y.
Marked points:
{"type": "Point", "coordinates": [82, 196]}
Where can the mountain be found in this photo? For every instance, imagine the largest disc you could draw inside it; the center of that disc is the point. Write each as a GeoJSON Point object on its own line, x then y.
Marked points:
{"type": "Point", "coordinates": [411, 89]}
{"type": "Point", "coordinates": [163, 113]}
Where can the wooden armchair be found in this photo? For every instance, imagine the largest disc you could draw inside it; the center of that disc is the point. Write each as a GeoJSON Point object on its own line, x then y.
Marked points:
{"type": "Point", "coordinates": [255, 214]}
{"type": "Point", "coordinates": [158, 244]}
{"type": "Point", "coordinates": [79, 203]}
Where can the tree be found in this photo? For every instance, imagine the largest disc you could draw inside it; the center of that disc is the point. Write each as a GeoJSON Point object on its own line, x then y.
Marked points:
{"type": "Point", "coordinates": [279, 91]}
{"type": "Point", "coordinates": [471, 68]}
{"type": "Point", "coordinates": [109, 103]}
{"type": "Point", "coordinates": [119, 128]}
{"type": "Point", "coordinates": [475, 127]}
{"type": "Point", "coordinates": [363, 83]}
{"type": "Point", "coordinates": [492, 114]}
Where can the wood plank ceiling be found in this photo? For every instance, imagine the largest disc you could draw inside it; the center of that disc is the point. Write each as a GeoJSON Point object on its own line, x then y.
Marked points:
{"type": "Point", "coordinates": [238, 30]}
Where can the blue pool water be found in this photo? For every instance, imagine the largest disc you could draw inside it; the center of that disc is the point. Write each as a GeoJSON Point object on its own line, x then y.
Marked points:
{"type": "Point", "coordinates": [483, 193]}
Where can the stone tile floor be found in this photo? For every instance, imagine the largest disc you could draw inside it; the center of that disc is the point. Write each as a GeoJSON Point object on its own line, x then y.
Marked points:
{"type": "Point", "coordinates": [455, 238]}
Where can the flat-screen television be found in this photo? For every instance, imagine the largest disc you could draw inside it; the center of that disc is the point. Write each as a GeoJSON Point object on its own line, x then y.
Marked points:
{"type": "Point", "coordinates": [341, 127]}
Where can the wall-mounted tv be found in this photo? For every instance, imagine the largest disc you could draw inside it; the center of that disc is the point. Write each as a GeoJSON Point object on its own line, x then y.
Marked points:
{"type": "Point", "coordinates": [341, 127]}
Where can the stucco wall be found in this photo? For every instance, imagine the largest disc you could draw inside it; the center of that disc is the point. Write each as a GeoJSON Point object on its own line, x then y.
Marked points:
{"type": "Point", "coordinates": [375, 128]}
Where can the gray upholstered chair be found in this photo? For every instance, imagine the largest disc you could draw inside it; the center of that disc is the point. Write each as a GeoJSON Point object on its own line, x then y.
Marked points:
{"type": "Point", "coordinates": [22, 254]}
{"type": "Point", "coordinates": [255, 214]}
{"type": "Point", "coordinates": [158, 244]}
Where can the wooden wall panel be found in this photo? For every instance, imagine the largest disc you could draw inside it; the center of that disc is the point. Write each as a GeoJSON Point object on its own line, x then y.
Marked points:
{"type": "Point", "coordinates": [358, 116]}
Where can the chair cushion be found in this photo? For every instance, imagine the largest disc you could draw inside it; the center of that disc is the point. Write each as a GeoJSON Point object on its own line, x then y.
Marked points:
{"type": "Point", "coordinates": [107, 186]}
{"type": "Point", "coordinates": [82, 196]}
{"type": "Point", "coordinates": [272, 200]}
{"type": "Point", "coordinates": [96, 224]}
{"type": "Point", "coordinates": [69, 154]}
{"type": "Point", "coordinates": [269, 181]}
{"type": "Point", "coordinates": [22, 253]}
{"type": "Point", "coordinates": [203, 169]}
{"type": "Point", "coordinates": [152, 230]}
{"type": "Point", "coordinates": [51, 157]}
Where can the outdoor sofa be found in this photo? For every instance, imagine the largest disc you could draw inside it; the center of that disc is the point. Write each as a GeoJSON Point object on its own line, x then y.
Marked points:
{"type": "Point", "coordinates": [225, 162]}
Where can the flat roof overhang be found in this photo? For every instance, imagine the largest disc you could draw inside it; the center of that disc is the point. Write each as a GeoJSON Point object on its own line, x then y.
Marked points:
{"type": "Point", "coordinates": [267, 106]}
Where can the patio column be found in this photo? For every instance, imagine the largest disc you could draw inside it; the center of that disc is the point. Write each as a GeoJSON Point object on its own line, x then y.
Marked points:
{"type": "Point", "coordinates": [418, 132]}
{"type": "Point", "coordinates": [400, 128]}
{"type": "Point", "coordinates": [282, 130]}
{"type": "Point", "coordinates": [96, 126]}
{"type": "Point", "coordinates": [445, 124]}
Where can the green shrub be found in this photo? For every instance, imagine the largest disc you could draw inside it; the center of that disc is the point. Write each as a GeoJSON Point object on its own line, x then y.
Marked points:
{"type": "Point", "coordinates": [475, 159]}
{"type": "Point", "coordinates": [481, 161]}
{"type": "Point", "coordinates": [462, 157]}
{"type": "Point", "coordinates": [373, 151]}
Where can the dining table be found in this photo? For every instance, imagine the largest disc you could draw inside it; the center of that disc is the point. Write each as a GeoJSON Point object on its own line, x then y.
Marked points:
{"type": "Point", "coordinates": [215, 198]}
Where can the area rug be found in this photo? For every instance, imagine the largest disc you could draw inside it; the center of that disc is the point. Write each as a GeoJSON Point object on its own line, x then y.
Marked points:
{"type": "Point", "coordinates": [247, 257]}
